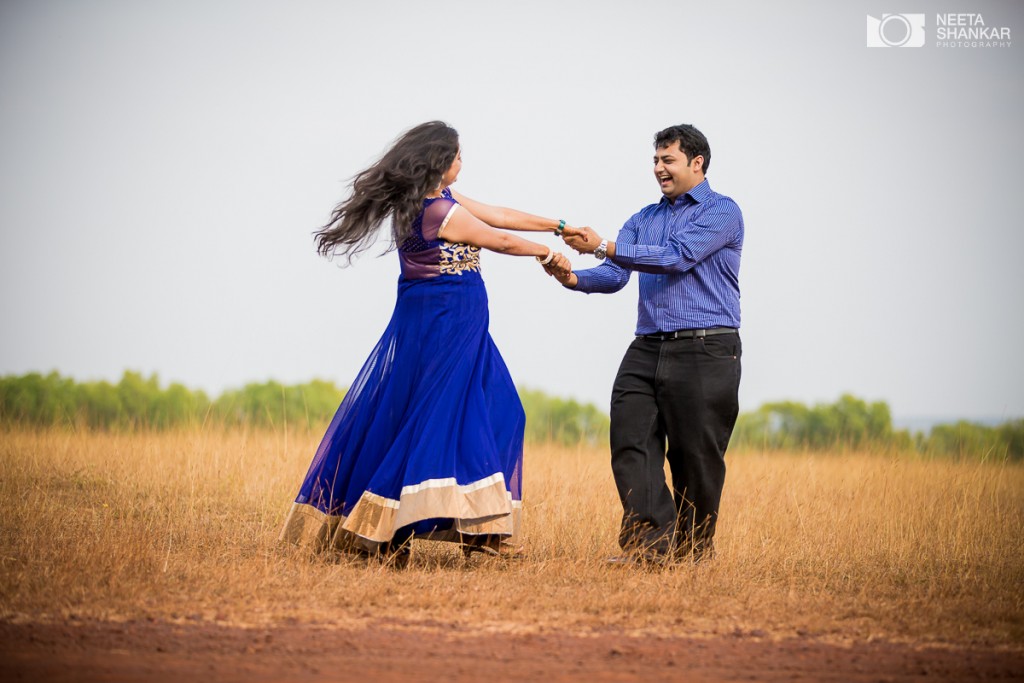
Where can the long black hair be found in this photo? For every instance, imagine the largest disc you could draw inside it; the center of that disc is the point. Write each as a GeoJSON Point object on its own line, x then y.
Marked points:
{"type": "Point", "coordinates": [394, 186]}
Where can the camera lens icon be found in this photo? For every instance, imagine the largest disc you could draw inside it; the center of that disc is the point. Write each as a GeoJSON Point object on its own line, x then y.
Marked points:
{"type": "Point", "coordinates": [896, 30]}
{"type": "Point", "coordinates": [902, 28]}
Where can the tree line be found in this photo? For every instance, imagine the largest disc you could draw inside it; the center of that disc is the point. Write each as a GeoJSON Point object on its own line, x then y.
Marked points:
{"type": "Point", "coordinates": [138, 402]}
{"type": "Point", "coordinates": [853, 423]}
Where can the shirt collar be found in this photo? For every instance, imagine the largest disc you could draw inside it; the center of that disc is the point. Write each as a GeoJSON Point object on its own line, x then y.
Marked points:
{"type": "Point", "coordinates": [700, 193]}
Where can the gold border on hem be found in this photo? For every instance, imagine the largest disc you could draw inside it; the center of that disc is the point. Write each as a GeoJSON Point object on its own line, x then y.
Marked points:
{"type": "Point", "coordinates": [374, 519]}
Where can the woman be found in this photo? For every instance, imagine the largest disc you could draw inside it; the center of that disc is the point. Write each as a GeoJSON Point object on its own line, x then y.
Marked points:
{"type": "Point", "coordinates": [428, 442]}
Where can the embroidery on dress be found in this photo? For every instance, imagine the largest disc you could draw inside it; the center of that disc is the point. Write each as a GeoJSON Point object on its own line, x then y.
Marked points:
{"type": "Point", "coordinates": [457, 258]}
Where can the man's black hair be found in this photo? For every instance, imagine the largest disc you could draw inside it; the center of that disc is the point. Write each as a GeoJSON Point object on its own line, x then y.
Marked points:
{"type": "Point", "coordinates": [691, 141]}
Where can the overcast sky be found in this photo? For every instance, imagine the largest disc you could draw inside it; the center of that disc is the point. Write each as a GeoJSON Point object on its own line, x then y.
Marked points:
{"type": "Point", "coordinates": [164, 164]}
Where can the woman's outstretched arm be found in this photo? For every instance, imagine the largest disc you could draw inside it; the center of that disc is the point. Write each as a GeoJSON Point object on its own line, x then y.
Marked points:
{"type": "Point", "coordinates": [510, 219]}
{"type": "Point", "coordinates": [462, 226]}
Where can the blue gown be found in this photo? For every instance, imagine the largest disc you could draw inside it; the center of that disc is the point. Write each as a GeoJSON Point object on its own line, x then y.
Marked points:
{"type": "Point", "coordinates": [428, 441]}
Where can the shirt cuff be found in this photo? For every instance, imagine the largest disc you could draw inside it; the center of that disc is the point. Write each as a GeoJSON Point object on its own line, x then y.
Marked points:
{"type": "Point", "coordinates": [626, 252]}
{"type": "Point", "coordinates": [583, 279]}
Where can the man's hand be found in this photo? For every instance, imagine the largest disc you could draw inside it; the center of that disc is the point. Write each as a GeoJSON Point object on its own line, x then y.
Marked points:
{"type": "Point", "coordinates": [585, 240]}
{"type": "Point", "coordinates": [561, 270]}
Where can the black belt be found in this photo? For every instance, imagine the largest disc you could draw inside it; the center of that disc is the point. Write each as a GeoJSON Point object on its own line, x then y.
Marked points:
{"type": "Point", "coordinates": [687, 334]}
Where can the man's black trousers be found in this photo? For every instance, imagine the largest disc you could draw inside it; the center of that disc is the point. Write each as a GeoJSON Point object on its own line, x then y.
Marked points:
{"type": "Point", "coordinates": [683, 392]}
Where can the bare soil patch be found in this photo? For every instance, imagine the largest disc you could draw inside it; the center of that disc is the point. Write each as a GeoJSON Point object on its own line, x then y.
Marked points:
{"type": "Point", "coordinates": [77, 650]}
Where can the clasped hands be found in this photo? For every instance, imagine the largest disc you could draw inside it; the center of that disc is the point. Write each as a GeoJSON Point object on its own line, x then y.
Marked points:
{"type": "Point", "coordinates": [584, 240]}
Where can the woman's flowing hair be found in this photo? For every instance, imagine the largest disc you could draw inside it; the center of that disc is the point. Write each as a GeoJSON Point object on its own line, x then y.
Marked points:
{"type": "Point", "coordinates": [394, 186]}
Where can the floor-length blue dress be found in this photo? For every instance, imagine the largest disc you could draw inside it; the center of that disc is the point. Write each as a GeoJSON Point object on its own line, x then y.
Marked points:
{"type": "Point", "coordinates": [428, 441]}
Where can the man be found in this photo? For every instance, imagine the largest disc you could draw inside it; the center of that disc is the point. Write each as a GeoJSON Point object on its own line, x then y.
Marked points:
{"type": "Point", "coordinates": [680, 377]}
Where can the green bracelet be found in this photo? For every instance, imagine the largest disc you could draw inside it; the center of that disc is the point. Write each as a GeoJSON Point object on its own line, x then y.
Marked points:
{"type": "Point", "coordinates": [560, 228]}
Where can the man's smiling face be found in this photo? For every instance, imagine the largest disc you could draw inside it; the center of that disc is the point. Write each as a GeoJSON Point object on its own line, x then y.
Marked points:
{"type": "Point", "coordinates": [677, 175]}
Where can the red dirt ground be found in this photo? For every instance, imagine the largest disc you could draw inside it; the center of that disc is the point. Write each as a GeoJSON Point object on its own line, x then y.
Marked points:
{"type": "Point", "coordinates": [389, 651]}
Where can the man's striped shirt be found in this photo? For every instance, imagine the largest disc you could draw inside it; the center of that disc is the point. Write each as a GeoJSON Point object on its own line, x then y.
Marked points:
{"type": "Point", "coordinates": [688, 256]}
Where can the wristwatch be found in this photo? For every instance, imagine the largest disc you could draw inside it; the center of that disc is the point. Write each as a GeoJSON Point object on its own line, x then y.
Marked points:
{"type": "Point", "coordinates": [602, 250]}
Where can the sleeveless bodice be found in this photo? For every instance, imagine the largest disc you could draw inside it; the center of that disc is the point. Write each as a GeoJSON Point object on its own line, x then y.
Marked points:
{"type": "Point", "coordinates": [425, 254]}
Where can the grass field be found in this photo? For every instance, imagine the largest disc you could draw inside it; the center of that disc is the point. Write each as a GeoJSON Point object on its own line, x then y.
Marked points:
{"type": "Point", "coordinates": [183, 526]}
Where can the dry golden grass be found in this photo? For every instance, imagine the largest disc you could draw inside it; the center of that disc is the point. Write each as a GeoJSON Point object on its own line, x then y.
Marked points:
{"type": "Point", "coordinates": [183, 525]}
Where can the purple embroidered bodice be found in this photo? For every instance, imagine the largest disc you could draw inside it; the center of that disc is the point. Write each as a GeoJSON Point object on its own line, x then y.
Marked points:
{"type": "Point", "coordinates": [425, 254]}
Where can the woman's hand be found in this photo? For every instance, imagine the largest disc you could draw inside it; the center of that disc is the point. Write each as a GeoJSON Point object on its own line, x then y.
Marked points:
{"type": "Point", "coordinates": [570, 231]}
{"type": "Point", "coordinates": [561, 270]}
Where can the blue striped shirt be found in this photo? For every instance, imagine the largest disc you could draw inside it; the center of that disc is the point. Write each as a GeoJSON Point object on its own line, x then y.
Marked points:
{"type": "Point", "coordinates": [688, 257]}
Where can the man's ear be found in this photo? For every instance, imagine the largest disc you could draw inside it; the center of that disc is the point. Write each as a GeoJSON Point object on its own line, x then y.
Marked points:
{"type": "Point", "coordinates": [697, 163]}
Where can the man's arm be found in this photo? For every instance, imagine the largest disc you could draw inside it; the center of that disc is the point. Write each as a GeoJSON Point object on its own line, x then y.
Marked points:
{"type": "Point", "coordinates": [703, 235]}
